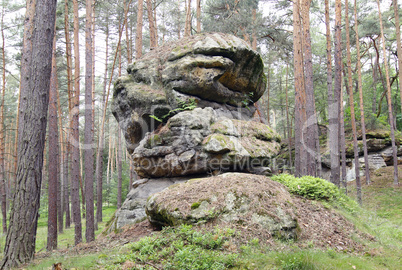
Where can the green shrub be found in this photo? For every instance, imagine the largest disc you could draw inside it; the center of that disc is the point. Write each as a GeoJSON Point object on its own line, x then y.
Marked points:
{"type": "Point", "coordinates": [309, 187]}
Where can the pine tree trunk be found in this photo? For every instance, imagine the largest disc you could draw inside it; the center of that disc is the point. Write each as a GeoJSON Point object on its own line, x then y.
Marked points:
{"type": "Point", "coordinates": [68, 146]}
{"type": "Point", "coordinates": [300, 97]}
{"type": "Point", "coordinates": [187, 29]}
{"type": "Point", "coordinates": [254, 35]}
{"type": "Point", "coordinates": [333, 109]}
{"type": "Point", "coordinates": [313, 153]}
{"type": "Point", "coordinates": [398, 44]}
{"type": "Point", "coordinates": [198, 16]}
{"type": "Point", "coordinates": [35, 80]}
{"type": "Point", "coordinates": [3, 189]}
{"type": "Point", "coordinates": [390, 114]}
{"type": "Point", "coordinates": [289, 128]}
{"type": "Point", "coordinates": [351, 104]}
{"type": "Point", "coordinates": [342, 142]}
{"type": "Point", "coordinates": [75, 165]}
{"type": "Point", "coordinates": [53, 158]}
{"type": "Point", "coordinates": [359, 78]}
{"type": "Point", "coordinates": [152, 31]}
{"type": "Point", "coordinates": [62, 179]}
{"type": "Point", "coordinates": [119, 169]}
{"type": "Point", "coordinates": [268, 92]}
{"type": "Point", "coordinates": [101, 145]}
{"type": "Point", "coordinates": [138, 37]}
{"type": "Point", "coordinates": [89, 132]}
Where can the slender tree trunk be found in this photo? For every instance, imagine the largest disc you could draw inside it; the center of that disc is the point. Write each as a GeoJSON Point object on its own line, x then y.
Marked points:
{"type": "Point", "coordinates": [187, 31]}
{"type": "Point", "coordinates": [374, 68]}
{"type": "Point", "coordinates": [138, 37]}
{"type": "Point", "coordinates": [62, 179]}
{"type": "Point", "coordinates": [178, 16]}
{"type": "Point", "coordinates": [89, 132]}
{"type": "Point", "coordinates": [198, 16]}
{"type": "Point", "coordinates": [342, 141]}
{"type": "Point", "coordinates": [359, 81]}
{"type": "Point", "coordinates": [313, 153]}
{"type": "Point", "coordinates": [287, 119]}
{"type": "Point", "coordinates": [254, 35]}
{"type": "Point", "coordinates": [352, 106]}
{"type": "Point", "coordinates": [67, 184]}
{"type": "Point", "coordinates": [152, 32]}
{"type": "Point", "coordinates": [2, 131]}
{"type": "Point", "coordinates": [119, 169]}
{"type": "Point", "coordinates": [268, 92]}
{"type": "Point", "coordinates": [53, 158]}
{"type": "Point", "coordinates": [75, 166]}
{"type": "Point", "coordinates": [333, 109]}
{"type": "Point", "coordinates": [99, 156]}
{"type": "Point", "coordinates": [300, 95]}
{"type": "Point", "coordinates": [398, 44]}
{"type": "Point", "coordinates": [70, 108]}
{"type": "Point", "coordinates": [109, 162]}
{"type": "Point", "coordinates": [390, 114]}
{"type": "Point", "coordinates": [35, 80]}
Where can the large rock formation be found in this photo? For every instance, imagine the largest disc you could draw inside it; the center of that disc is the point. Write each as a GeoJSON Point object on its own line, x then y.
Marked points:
{"type": "Point", "coordinates": [208, 70]}
{"type": "Point", "coordinates": [187, 109]}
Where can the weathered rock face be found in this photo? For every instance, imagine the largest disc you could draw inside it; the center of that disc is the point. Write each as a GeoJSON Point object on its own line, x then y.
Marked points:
{"type": "Point", "coordinates": [233, 198]}
{"type": "Point", "coordinates": [208, 70]}
{"type": "Point", "coordinates": [187, 109]}
{"type": "Point", "coordinates": [133, 208]}
{"type": "Point", "coordinates": [199, 142]}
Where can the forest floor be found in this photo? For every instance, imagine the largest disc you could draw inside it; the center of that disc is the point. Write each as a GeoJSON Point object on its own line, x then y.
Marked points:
{"type": "Point", "coordinates": [376, 246]}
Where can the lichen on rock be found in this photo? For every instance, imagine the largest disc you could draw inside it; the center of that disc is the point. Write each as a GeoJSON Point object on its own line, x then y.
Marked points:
{"type": "Point", "coordinates": [233, 198]}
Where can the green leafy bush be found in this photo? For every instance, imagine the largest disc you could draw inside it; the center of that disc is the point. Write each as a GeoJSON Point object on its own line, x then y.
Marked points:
{"type": "Point", "coordinates": [309, 187]}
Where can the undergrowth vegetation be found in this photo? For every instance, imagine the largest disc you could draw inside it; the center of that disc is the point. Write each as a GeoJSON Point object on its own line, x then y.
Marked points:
{"type": "Point", "coordinates": [310, 187]}
{"type": "Point", "coordinates": [181, 248]}
{"type": "Point", "coordinates": [189, 247]}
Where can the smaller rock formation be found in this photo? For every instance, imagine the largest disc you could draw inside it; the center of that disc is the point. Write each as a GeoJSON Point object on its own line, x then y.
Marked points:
{"type": "Point", "coordinates": [236, 199]}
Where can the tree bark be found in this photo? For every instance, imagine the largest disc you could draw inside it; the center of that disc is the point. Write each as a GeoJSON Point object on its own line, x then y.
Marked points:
{"type": "Point", "coordinates": [75, 165]}
{"type": "Point", "coordinates": [62, 178]}
{"type": "Point", "coordinates": [390, 114]}
{"type": "Point", "coordinates": [152, 31]}
{"type": "Point", "coordinates": [313, 152]}
{"type": "Point", "coordinates": [398, 44]}
{"type": "Point", "coordinates": [138, 37]}
{"type": "Point", "coordinates": [359, 81]}
{"type": "Point", "coordinates": [53, 158]}
{"type": "Point", "coordinates": [119, 169]}
{"type": "Point", "coordinates": [89, 132]}
{"type": "Point", "coordinates": [333, 108]}
{"type": "Point", "coordinates": [300, 95]}
{"type": "Point", "coordinates": [198, 16]}
{"type": "Point", "coordinates": [101, 145]}
{"type": "Point", "coordinates": [187, 29]}
{"type": "Point", "coordinates": [21, 235]}
{"type": "Point", "coordinates": [352, 106]}
{"type": "Point", "coordinates": [3, 189]}
{"type": "Point", "coordinates": [68, 147]}
{"type": "Point", "coordinates": [289, 128]}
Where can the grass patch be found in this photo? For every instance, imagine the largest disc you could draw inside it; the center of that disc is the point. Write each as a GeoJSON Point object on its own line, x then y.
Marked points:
{"type": "Point", "coordinates": [180, 248]}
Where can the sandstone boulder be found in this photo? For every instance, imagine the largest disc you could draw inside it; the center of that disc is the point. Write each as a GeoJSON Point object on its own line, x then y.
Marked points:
{"type": "Point", "coordinates": [213, 70]}
{"type": "Point", "coordinates": [237, 199]}
{"type": "Point", "coordinates": [200, 142]}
